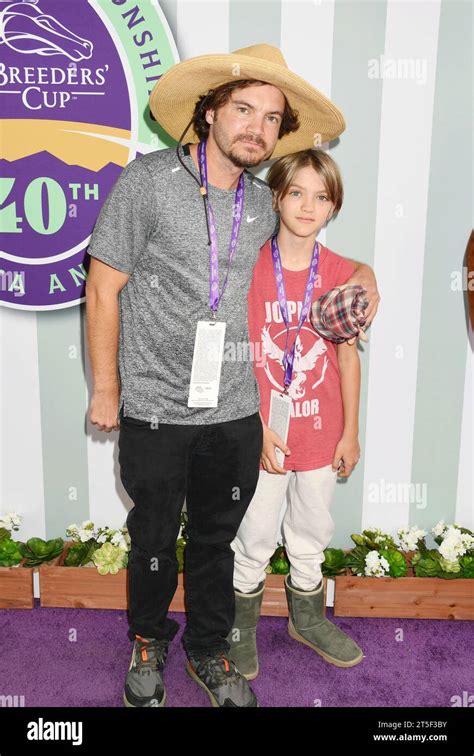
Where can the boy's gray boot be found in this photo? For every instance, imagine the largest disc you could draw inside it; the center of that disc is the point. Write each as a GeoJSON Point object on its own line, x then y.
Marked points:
{"type": "Point", "coordinates": [307, 624]}
{"type": "Point", "coordinates": [243, 635]}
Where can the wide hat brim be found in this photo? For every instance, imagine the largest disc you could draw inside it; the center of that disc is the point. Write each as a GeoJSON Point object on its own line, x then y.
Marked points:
{"type": "Point", "coordinates": [174, 96]}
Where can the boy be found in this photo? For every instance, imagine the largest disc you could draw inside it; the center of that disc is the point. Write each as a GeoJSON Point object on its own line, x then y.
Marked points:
{"type": "Point", "coordinates": [317, 383]}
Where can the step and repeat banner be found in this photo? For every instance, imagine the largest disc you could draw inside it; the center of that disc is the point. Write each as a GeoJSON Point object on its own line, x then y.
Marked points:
{"type": "Point", "coordinates": [75, 76]}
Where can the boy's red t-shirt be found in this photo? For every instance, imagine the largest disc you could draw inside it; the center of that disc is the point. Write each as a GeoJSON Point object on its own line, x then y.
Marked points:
{"type": "Point", "coordinates": [317, 420]}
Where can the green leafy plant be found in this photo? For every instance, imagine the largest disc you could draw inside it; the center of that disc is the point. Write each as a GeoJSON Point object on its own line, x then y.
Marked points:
{"type": "Point", "coordinates": [180, 547]}
{"type": "Point", "coordinates": [10, 554]}
{"type": "Point", "coordinates": [374, 553]}
{"type": "Point", "coordinates": [467, 566]}
{"type": "Point", "coordinates": [182, 540]}
{"type": "Point", "coordinates": [334, 562]}
{"type": "Point", "coordinates": [355, 558]}
{"type": "Point", "coordinates": [430, 563]}
{"type": "Point", "coordinates": [37, 551]}
{"type": "Point", "coordinates": [88, 540]}
{"type": "Point", "coordinates": [397, 561]}
{"type": "Point", "coordinates": [426, 563]}
{"type": "Point", "coordinates": [109, 559]}
{"type": "Point", "coordinates": [372, 542]}
{"type": "Point", "coordinates": [279, 564]}
{"type": "Point", "coordinates": [374, 539]}
{"type": "Point", "coordinates": [80, 554]}
{"type": "Point", "coordinates": [454, 558]}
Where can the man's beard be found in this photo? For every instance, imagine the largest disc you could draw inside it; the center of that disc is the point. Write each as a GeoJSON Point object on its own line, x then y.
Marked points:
{"type": "Point", "coordinates": [248, 161]}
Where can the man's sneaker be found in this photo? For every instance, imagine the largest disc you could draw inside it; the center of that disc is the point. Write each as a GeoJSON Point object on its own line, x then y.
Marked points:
{"type": "Point", "coordinates": [144, 686]}
{"type": "Point", "coordinates": [221, 680]}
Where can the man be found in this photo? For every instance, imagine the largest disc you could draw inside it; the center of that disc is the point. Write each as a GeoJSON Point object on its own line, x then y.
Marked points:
{"type": "Point", "coordinates": [173, 252]}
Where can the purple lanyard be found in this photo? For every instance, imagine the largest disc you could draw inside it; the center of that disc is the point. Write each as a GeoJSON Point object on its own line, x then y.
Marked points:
{"type": "Point", "coordinates": [214, 296]}
{"type": "Point", "coordinates": [288, 359]}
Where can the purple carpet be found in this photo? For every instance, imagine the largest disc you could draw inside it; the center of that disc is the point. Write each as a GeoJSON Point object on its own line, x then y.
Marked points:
{"type": "Point", "coordinates": [40, 661]}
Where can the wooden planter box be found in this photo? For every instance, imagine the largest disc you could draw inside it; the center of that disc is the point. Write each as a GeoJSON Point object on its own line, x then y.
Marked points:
{"type": "Point", "coordinates": [83, 587]}
{"type": "Point", "coordinates": [404, 597]}
{"type": "Point", "coordinates": [16, 587]}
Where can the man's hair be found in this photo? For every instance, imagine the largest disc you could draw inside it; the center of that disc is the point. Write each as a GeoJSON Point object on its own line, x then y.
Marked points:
{"type": "Point", "coordinates": [281, 174]}
{"type": "Point", "coordinates": [219, 96]}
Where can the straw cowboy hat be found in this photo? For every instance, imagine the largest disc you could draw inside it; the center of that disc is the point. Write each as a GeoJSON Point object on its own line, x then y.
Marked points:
{"type": "Point", "coordinates": [174, 96]}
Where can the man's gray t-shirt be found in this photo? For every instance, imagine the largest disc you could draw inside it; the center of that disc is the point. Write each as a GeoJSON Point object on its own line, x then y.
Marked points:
{"type": "Point", "coordinates": [153, 226]}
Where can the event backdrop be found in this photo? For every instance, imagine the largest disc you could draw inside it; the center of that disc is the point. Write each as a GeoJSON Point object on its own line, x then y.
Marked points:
{"type": "Point", "coordinates": [74, 82]}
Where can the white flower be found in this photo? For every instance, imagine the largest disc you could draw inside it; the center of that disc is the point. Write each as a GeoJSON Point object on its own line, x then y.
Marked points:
{"type": "Point", "coordinates": [376, 565]}
{"type": "Point", "coordinates": [73, 532]}
{"type": "Point", "coordinates": [375, 531]}
{"type": "Point", "coordinates": [448, 552]}
{"type": "Point", "coordinates": [118, 538]}
{"type": "Point", "coordinates": [468, 540]}
{"type": "Point", "coordinates": [455, 543]}
{"type": "Point", "coordinates": [10, 521]}
{"type": "Point", "coordinates": [15, 519]}
{"type": "Point", "coordinates": [85, 535]}
{"type": "Point", "coordinates": [409, 537]}
{"type": "Point", "coordinates": [439, 528]}
{"type": "Point", "coordinates": [379, 536]}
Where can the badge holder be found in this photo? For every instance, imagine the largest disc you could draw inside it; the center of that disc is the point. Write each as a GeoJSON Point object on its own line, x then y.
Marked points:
{"type": "Point", "coordinates": [279, 418]}
{"type": "Point", "coordinates": [207, 363]}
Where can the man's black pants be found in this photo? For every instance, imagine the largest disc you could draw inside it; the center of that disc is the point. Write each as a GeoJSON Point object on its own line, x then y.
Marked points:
{"type": "Point", "coordinates": [216, 468]}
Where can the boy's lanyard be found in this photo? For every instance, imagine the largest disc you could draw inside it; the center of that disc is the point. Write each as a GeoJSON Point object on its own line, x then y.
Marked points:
{"type": "Point", "coordinates": [214, 296]}
{"type": "Point", "coordinates": [288, 358]}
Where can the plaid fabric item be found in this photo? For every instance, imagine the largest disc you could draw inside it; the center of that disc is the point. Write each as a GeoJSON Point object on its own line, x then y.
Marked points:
{"type": "Point", "coordinates": [338, 315]}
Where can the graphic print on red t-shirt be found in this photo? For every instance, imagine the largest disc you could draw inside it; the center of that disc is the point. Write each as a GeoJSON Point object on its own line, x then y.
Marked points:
{"type": "Point", "coordinates": [317, 418]}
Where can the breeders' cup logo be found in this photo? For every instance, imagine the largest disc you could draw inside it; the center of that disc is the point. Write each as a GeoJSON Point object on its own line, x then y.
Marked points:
{"type": "Point", "coordinates": [75, 78]}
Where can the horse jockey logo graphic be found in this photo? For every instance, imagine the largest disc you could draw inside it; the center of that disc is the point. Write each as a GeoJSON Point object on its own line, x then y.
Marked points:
{"type": "Point", "coordinates": [302, 362]}
{"type": "Point", "coordinates": [24, 28]}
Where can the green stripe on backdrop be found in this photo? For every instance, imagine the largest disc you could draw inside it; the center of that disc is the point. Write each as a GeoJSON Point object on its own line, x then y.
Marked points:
{"type": "Point", "coordinates": [252, 23]}
{"type": "Point", "coordinates": [359, 35]}
{"type": "Point", "coordinates": [63, 418]}
{"type": "Point", "coordinates": [442, 350]}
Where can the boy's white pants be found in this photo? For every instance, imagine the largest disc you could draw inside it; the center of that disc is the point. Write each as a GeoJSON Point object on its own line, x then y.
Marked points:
{"type": "Point", "coordinates": [307, 527]}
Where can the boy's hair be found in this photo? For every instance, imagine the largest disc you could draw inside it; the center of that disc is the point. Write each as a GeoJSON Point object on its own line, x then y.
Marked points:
{"type": "Point", "coordinates": [219, 96]}
{"type": "Point", "coordinates": [282, 172]}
